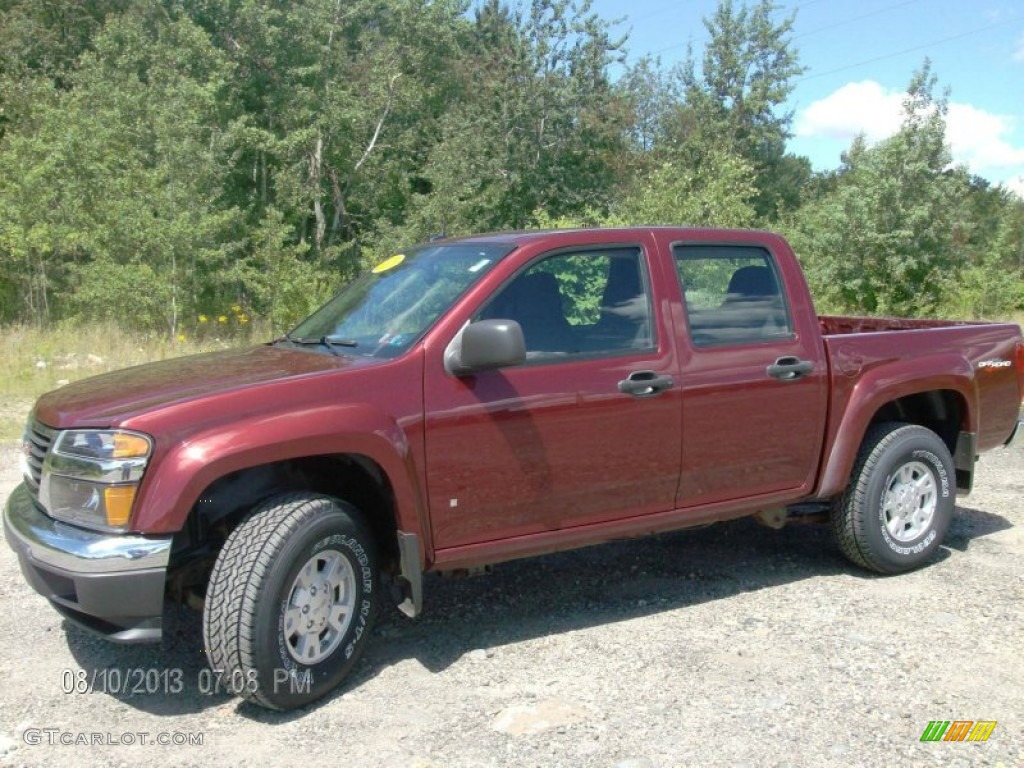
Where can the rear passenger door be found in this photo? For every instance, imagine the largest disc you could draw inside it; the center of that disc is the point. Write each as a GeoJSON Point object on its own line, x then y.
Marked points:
{"type": "Point", "coordinates": [754, 382]}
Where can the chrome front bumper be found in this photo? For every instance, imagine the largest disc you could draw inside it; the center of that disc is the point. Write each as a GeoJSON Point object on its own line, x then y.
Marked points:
{"type": "Point", "coordinates": [110, 584]}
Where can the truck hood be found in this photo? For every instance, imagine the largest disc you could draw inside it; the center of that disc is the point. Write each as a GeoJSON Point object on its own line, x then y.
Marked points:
{"type": "Point", "coordinates": [112, 398]}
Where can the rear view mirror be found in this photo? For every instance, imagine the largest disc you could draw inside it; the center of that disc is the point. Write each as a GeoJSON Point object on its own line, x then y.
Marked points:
{"type": "Point", "coordinates": [484, 346]}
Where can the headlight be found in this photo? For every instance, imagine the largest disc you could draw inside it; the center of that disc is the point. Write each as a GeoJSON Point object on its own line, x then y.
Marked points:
{"type": "Point", "coordinates": [90, 476]}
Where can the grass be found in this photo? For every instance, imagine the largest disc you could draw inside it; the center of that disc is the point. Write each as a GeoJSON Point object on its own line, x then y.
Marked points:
{"type": "Point", "coordinates": [34, 361]}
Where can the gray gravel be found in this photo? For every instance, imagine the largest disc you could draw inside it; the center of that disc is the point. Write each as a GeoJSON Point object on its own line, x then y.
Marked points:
{"type": "Point", "coordinates": [732, 645]}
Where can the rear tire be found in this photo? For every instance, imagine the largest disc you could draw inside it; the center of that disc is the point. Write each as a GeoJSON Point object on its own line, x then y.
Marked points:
{"type": "Point", "coordinates": [899, 504]}
{"type": "Point", "coordinates": [291, 600]}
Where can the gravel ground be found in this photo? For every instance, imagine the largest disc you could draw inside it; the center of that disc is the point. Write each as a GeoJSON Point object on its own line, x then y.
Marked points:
{"type": "Point", "coordinates": [733, 645]}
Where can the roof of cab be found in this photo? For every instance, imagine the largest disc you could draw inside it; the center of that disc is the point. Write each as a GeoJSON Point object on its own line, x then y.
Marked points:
{"type": "Point", "coordinates": [522, 237]}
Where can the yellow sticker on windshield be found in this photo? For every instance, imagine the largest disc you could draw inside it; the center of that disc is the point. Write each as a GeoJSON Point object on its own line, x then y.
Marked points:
{"type": "Point", "coordinates": [387, 264]}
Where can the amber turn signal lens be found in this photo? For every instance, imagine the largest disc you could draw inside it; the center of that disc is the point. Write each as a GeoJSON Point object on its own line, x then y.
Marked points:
{"type": "Point", "coordinates": [128, 446]}
{"type": "Point", "coordinates": [118, 503]}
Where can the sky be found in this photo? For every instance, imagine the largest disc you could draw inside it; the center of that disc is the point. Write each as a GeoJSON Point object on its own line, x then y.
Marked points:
{"type": "Point", "coordinates": [860, 56]}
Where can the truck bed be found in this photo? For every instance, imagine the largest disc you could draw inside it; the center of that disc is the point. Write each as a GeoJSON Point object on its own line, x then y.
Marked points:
{"type": "Point", "coordinates": [837, 325]}
{"type": "Point", "coordinates": [904, 356]}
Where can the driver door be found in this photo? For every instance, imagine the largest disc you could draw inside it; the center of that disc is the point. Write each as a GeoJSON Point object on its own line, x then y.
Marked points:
{"type": "Point", "coordinates": [586, 431]}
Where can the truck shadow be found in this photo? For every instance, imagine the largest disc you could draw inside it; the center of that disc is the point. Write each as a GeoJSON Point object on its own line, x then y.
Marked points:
{"type": "Point", "coordinates": [519, 601]}
{"type": "Point", "coordinates": [526, 599]}
{"type": "Point", "coordinates": [969, 524]}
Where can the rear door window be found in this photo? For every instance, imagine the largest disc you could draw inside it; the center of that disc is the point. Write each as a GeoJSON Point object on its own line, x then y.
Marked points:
{"type": "Point", "coordinates": [733, 295]}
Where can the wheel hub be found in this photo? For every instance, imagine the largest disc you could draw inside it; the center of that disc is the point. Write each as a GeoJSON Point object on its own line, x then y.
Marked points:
{"type": "Point", "coordinates": [910, 501]}
{"type": "Point", "coordinates": [319, 605]}
{"type": "Point", "coordinates": [318, 609]}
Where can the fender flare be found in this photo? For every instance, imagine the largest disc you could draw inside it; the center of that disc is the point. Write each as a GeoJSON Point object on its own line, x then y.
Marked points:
{"type": "Point", "coordinates": [885, 384]}
{"type": "Point", "coordinates": [184, 469]}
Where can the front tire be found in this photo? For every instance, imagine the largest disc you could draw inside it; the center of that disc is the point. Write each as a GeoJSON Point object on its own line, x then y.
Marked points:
{"type": "Point", "coordinates": [899, 503]}
{"type": "Point", "coordinates": [291, 600]}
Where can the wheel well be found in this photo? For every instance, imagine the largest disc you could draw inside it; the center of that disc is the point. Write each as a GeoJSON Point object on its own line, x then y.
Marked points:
{"type": "Point", "coordinates": [225, 502]}
{"type": "Point", "coordinates": [942, 411]}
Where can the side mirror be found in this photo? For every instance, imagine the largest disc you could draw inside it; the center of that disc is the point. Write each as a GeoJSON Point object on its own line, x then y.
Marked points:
{"type": "Point", "coordinates": [484, 346]}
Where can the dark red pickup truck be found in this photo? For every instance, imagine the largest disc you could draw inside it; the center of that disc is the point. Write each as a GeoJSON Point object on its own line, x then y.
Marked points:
{"type": "Point", "coordinates": [476, 400]}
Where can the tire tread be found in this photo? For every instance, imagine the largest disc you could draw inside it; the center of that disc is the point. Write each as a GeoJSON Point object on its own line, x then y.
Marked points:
{"type": "Point", "coordinates": [851, 512]}
{"type": "Point", "coordinates": [233, 593]}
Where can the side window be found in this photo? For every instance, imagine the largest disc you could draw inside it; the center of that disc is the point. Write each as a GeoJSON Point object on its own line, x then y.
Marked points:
{"type": "Point", "coordinates": [732, 294]}
{"type": "Point", "coordinates": [579, 302]}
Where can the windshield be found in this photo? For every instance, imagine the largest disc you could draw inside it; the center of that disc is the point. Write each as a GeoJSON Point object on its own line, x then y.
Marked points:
{"type": "Point", "coordinates": [383, 312]}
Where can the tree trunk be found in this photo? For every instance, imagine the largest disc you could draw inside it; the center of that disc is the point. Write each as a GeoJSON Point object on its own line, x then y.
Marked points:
{"type": "Point", "coordinates": [315, 164]}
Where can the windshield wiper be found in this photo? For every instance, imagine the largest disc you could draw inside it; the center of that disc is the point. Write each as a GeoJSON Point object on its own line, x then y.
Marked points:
{"type": "Point", "coordinates": [325, 341]}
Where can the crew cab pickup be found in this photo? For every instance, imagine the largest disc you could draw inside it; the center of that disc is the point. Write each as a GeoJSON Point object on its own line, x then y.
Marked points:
{"type": "Point", "coordinates": [475, 400]}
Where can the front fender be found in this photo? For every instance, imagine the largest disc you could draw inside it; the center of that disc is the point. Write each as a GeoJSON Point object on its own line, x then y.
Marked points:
{"type": "Point", "coordinates": [173, 485]}
{"type": "Point", "coordinates": [882, 385]}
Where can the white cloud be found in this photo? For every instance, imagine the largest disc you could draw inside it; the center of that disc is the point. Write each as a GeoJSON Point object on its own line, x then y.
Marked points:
{"type": "Point", "coordinates": [1016, 184]}
{"type": "Point", "coordinates": [977, 138]}
{"type": "Point", "coordinates": [865, 107]}
{"type": "Point", "coordinates": [980, 139]}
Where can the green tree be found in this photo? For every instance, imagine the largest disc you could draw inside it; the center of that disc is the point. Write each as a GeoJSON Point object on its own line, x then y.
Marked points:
{"type": "Point", "coordinates": [651, 94]}
{"type": "Point", "coordinates": [112, 184]}
{"type": "Point", "coordinates": [536, 126]}
{"type": "Point", "coordinates": [990, 283]}
{"type": "Point", "coordinates": [737, 98]}
{"type": "Point", "coordinates": [715, 190]}
{"type": "Point", "coordinates": [337, 104]}
{"type": "Point", "coordinates": [889, 235]}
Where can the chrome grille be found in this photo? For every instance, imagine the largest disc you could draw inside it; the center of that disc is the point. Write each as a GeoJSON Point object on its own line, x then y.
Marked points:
{"type": "Point", "coordinates": [37, 443]}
